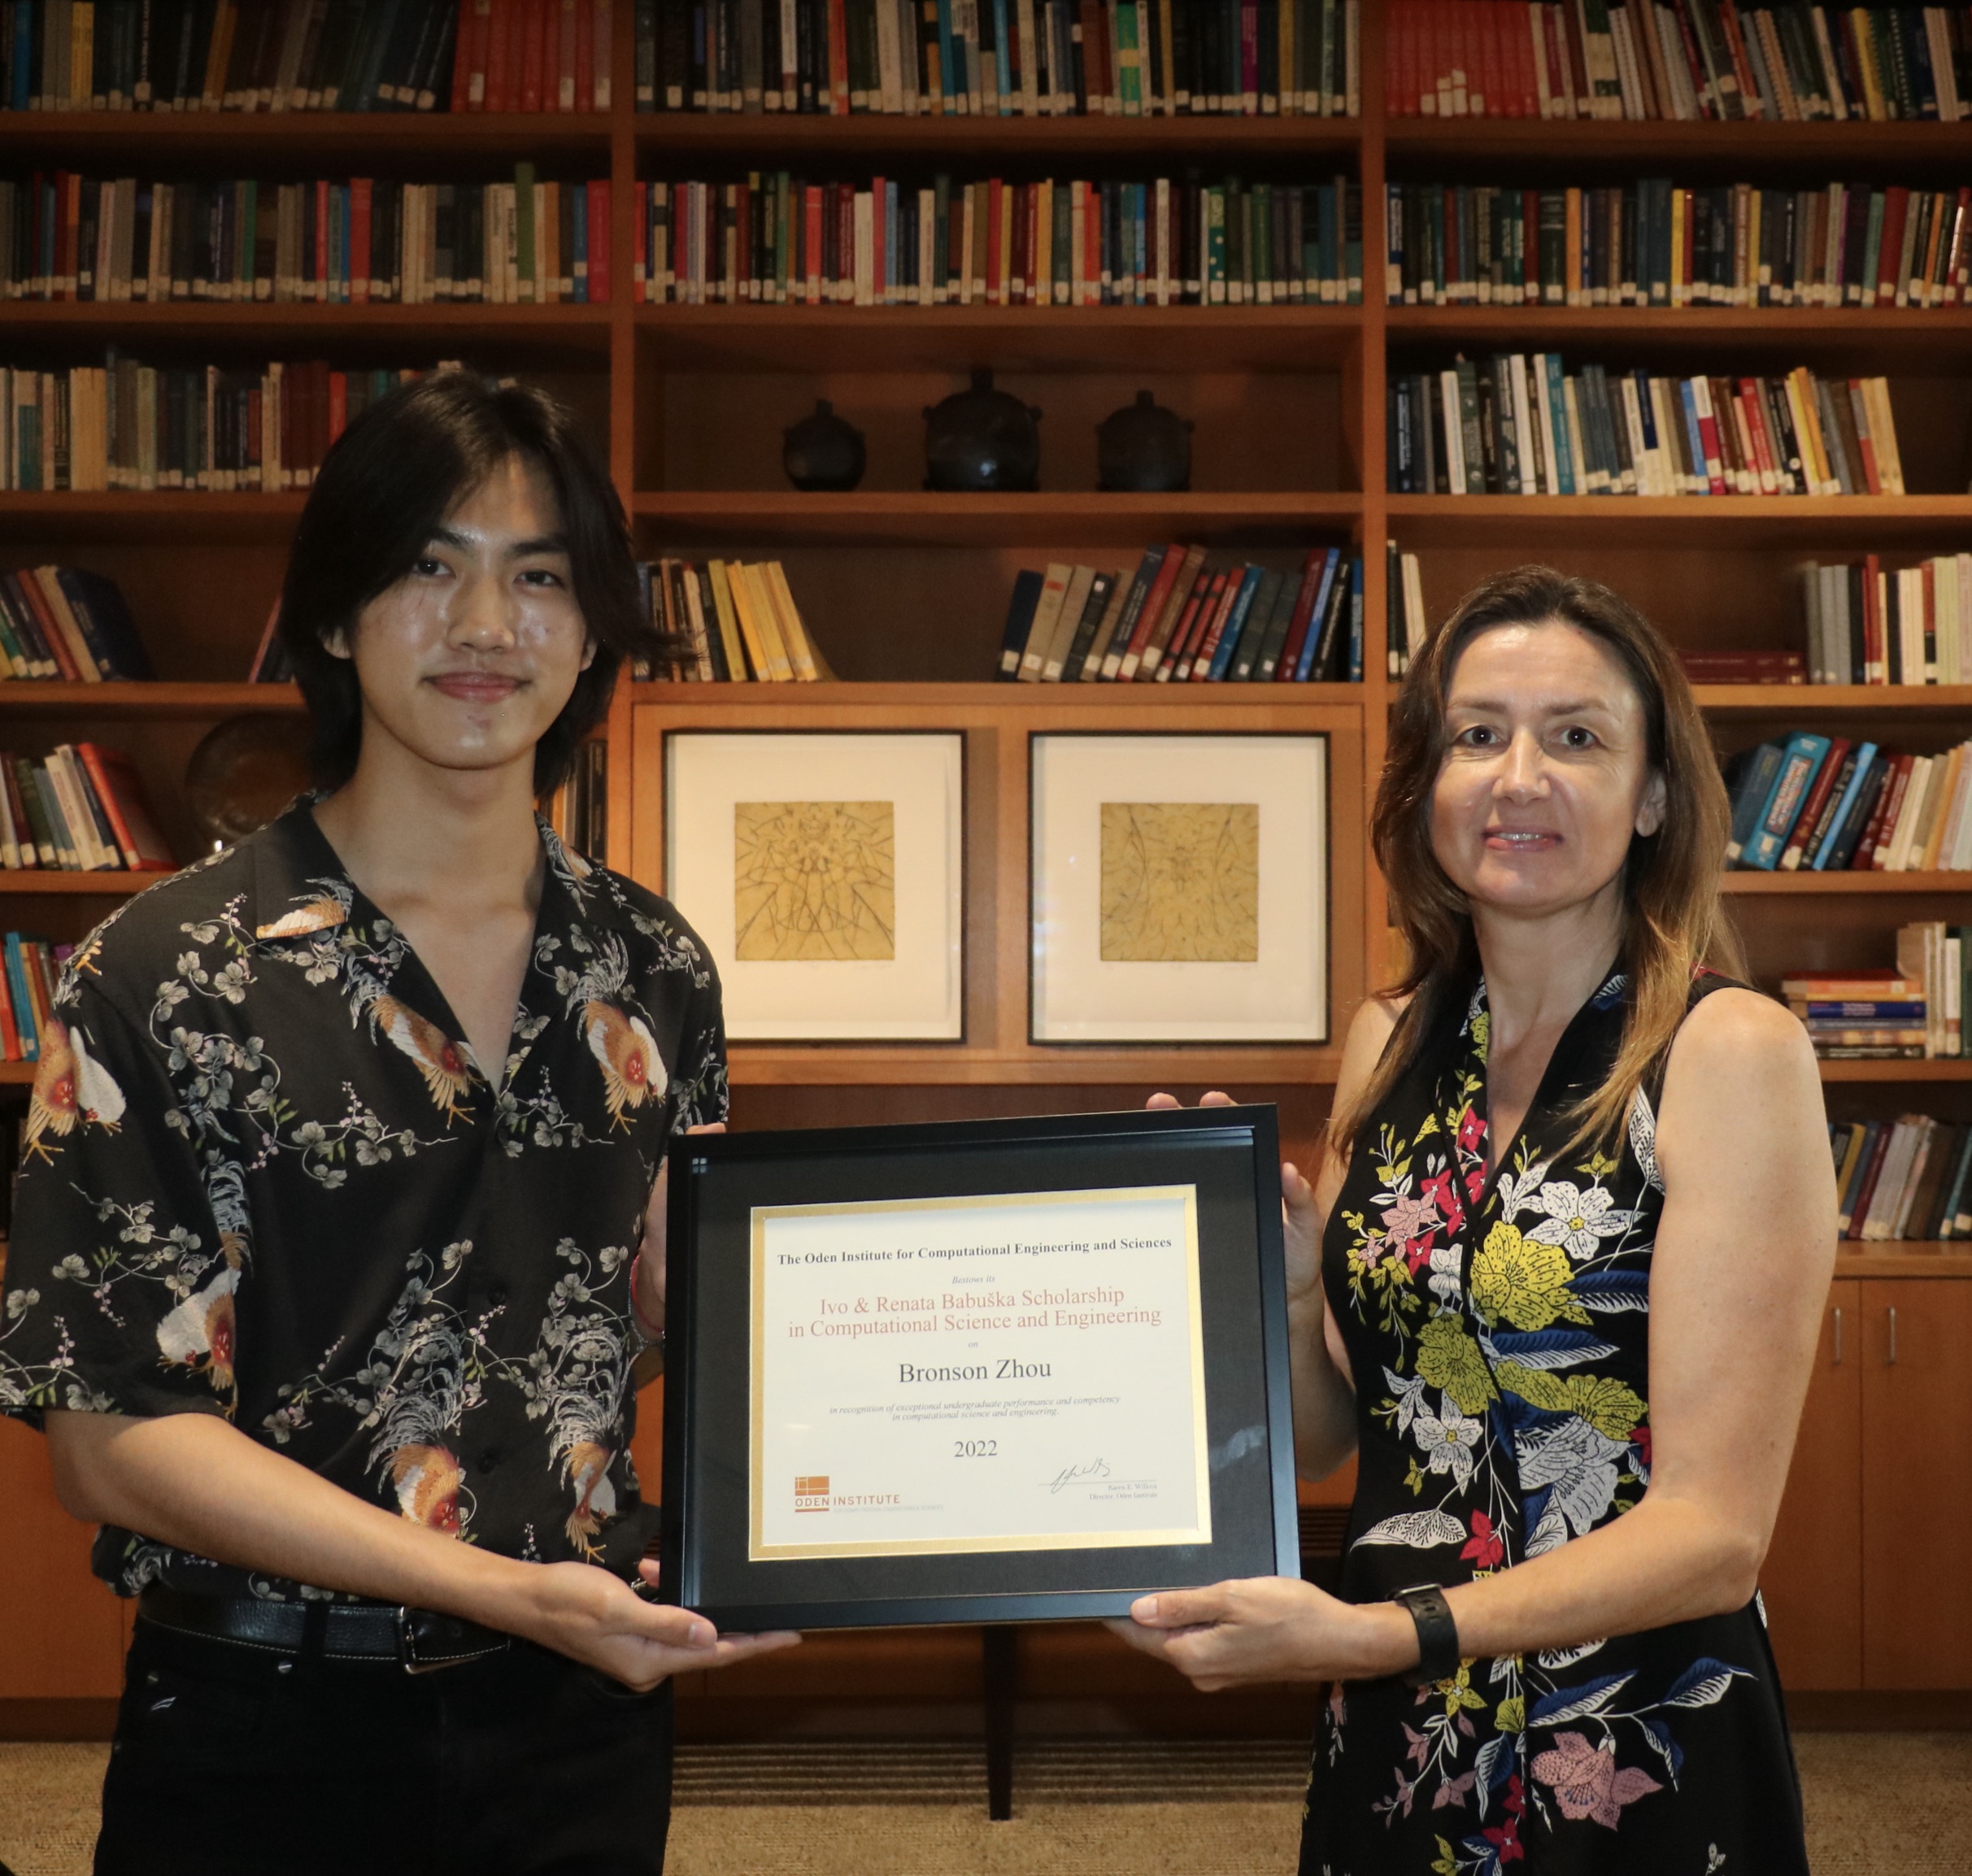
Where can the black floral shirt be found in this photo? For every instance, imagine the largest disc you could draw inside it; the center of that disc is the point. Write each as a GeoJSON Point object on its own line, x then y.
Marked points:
{"type": "Point", "coordinates": [264, 1177]}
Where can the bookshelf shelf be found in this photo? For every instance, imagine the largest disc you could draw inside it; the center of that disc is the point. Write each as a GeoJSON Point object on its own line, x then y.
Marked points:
{"type": "Point", "coordinates": [763, 1066]}
{"type": "Point", "coordinates": [1419, 141]}
{"type": "Point", "coordinates": [20, 697]}
{"type": "Point", "coordinates": [1909, 1257]}
{"type": "Point", "coordinates": [1150, 698]}
{"type": "Point", "coordinates": [1717, 522]}
{"type": "Point", "coordinates": [1840, 699]}
{"type": "Point", "coordinates": [585, 327]}
{"type": "Point", "coordinates": [133, 514]}
{"type": "Point", "coordinates": [916, 517]}
{"type": "Point", "coordinates": [1763, 884]}
{"type": "Point", "coordinates": [44, 883]}
{"type": "Point", "coordinates": [773, 137]}
{"type": "Point", "coordinates": [1948, 1069]}
{"type": "Point", "coordinates": [391, 136]}
{"type": "Point", "coordinates": [810, 339]}
{"type": "Point", "coordinates": [17, 1074]}
{"type": "Point", "coordinates": [1862, 339]}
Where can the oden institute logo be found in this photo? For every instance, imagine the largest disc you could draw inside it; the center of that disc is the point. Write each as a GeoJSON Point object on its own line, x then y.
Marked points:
{"type": "Point", "coordinates": [811, 1493]}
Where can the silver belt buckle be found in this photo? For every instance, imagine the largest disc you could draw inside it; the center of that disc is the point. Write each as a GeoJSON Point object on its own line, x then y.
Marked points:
{"type": "Point", "coordinates": [407, 1646]}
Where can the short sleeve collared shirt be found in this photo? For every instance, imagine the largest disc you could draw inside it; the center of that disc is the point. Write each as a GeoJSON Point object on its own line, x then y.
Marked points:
{"type": "Point", "coordinates": [264, 1177]}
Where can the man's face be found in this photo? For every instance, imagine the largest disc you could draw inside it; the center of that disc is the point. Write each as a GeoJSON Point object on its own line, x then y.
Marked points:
{"type": "Point", "coordinates": [469, 658]}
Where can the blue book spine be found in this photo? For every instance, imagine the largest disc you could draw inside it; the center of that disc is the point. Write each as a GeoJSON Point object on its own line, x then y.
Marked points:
{"type": "Point", "coordinates": [1687, 399]}
{"type": "Point", "coordinates": [1557, 399]}
{"type": "Point", "coordinates": [580, 199]}
{"type": "Point", "coordinates": [1356, 620]}
{"type": "Point", "coordinates": [1864, 757]}
{"type": "Point", "coordinates": [1235, 624]}
{"type": "Point", "coordinates": [1002, 63]}
{"type": "Point", "coordinates": [23, 1004]}
{"type": "Point", "coordinates": [1799, 764]}
{"type": "Point", "coordinates": [23, 97]}
{"type": "Point", "coordinates": [1312, 643]}
{"type": "Point", "coordinates": [952, 83]}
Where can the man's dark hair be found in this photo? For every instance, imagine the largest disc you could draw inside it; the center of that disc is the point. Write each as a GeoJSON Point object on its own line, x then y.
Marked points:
{"type": "Point", "coordinates": [387, 484]}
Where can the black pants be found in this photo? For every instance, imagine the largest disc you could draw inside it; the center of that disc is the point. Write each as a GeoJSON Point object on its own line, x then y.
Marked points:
{"type": "Point", "coordinates": [230, 1760]}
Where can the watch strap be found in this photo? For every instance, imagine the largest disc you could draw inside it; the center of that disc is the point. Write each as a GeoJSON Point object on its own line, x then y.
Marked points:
{"type": "Point", "coordinates": [1437, 1645]}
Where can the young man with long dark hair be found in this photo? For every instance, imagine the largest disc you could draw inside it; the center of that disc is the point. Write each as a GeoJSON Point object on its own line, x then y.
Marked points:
{"type": "Point", "coordinates": [326, 1276]}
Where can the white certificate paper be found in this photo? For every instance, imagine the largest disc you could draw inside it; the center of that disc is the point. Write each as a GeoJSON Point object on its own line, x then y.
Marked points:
{"type": "Point", "coordinates": [1013, 1372]}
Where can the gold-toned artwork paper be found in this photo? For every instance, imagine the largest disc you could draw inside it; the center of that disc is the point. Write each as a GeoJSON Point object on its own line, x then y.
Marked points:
{"type": "Point", "coordinates": [815, 881]}
{"type": "Point", "coordinates": [1181, 882]}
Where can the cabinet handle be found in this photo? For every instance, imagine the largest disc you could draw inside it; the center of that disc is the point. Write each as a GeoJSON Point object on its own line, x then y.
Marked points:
{"type": "Point", "coordinates": [1892, 1361]}
{"type": "Point", "coordinates": [1838, 1360]}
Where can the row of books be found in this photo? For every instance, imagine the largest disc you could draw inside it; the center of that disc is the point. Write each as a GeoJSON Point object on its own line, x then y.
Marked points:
{"type": "Point", "coordinates": [1901, 1180]}
{"type": "Point", "coordinates": [281, 55]}
{"type": "Point", "coordinates": [1178, 621]}
{"type": "Point", "coordinates": [735, 623]}
{"type": "Point", "coordinates": [80, 809]}
{"type": "Point", "coordinates": [1520, 424]}
{"type": "Point", "coordinates": [127, 425]}
{"type": "Point", "coordinates": [1652, 243]}
{"type": "Point", "coordinates": [1683, 60]}
{"type": "Point", "coordinates": [1870, 625]}
{"type": "Point", "coordinates": [775, 238]}
{"type": "Point", "coordinates": [66, 237]}
{"type": "Point", "coordinates": [1911, 1011]}
{"type": "Point", "coordinates": [67, 623]}
{"type": "Point", "coordinates": [1002, 58]}
{"type": "Point", "coordinates": [1815, 804]}
{"type": "Point", "coordinates": [30, 970]}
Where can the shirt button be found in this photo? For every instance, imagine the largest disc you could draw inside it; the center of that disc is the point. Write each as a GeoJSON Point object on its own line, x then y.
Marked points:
{"type": "Point", "coordinates": [488, 1459]}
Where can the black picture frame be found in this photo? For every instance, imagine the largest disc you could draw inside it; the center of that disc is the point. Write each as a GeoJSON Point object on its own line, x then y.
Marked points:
{"type": "Point", "coordinates": [1229, 1155]}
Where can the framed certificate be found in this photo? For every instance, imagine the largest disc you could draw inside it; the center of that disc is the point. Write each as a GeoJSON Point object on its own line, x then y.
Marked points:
{"type": "Point", "coordinates": [976, 1371]}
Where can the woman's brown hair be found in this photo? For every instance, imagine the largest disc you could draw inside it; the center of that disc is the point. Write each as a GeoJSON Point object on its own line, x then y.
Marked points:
{"type": "Point", "coordinates": [1673, 920]}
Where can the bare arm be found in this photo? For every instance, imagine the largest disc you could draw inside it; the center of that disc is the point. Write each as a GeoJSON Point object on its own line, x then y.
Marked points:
{"type": "Point", "coordinates": [1743, 1255]}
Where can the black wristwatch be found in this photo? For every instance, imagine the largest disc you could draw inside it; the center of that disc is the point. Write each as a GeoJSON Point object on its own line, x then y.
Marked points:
{"type": "Point", "coordinates": [1437, 1652]}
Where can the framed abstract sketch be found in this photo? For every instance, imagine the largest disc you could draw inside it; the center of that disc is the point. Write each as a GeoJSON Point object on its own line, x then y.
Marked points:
{"type": "Point", "coordinates": [1179, 889]}
{"type": "Point", "coordinates": [825, 873]}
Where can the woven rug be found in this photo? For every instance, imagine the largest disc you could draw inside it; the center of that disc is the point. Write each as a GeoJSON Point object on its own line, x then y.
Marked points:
{"type": "Point", "coordinates": [1878, 1805]}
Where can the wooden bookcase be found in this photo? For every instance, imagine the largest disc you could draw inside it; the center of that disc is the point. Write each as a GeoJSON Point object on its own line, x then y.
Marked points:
{"type": "Point", "coordinates": [906, 591]}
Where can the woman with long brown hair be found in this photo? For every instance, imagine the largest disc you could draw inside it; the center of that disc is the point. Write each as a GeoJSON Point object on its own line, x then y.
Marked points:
{"type": "Point", "coordinates": [1557, 1286]}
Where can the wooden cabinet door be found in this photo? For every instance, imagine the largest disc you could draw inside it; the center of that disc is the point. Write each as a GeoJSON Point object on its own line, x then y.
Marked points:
{"type": "Point", "coordinates": [1916, 1397]}
{"type": "Point", "coordinates": [1811, 1580]}
{"type": "Point", "coordinates": [61, 1630]}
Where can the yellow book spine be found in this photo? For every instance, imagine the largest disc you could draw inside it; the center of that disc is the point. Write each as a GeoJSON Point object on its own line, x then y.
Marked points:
{"type": "Point", "coordinates": [814, 668]}
{"type": "Point", "coordinates": [1680, 288]}
{"type": "Point", "coordinates": [759, 626]}
{"type": "Point", "coordinates": [723, 602]}
{"type": "Point", "coordinates": [1882, 432]}
{"type": "Point", "coordinates": [750, 589]}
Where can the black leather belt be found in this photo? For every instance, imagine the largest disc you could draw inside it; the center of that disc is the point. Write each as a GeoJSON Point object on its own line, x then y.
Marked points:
{"type": "Point", "coordinates": [419, 1640]}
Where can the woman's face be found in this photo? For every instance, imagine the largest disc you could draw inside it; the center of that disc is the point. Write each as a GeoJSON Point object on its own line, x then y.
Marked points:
{"type": "Point", "coordinates": [1547, 777]}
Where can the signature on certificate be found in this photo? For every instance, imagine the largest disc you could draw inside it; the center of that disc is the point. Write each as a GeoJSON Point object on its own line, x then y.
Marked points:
{"type": "Point", "coordinates": [1073, 1475]}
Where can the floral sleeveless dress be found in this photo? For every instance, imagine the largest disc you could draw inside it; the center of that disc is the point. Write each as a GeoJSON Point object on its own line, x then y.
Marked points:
{"type": "Point", "coordinates": [1500, 1340]}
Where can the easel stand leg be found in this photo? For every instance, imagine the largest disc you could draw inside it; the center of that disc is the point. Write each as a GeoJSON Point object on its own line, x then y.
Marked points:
{"type": "Point", "coordinates": [997, 1661]}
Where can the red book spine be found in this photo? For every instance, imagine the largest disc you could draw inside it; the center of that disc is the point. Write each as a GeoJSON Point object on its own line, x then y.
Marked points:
{"type": "Point", "coordinates": [838, 60]}
{"type": "Point", "coordinates": [533, 54]}
{"type": "Point", "coordinates": [1199, 654]}
{"type": "Point", "coordinates": [1742, 66]}
{"type": "Point", "coordinates": [1811, 809]}
{"type": "Point", "coordinates": [338, 406]}
{"type": "Point", "coordinates": [504, 16]}
{"type": "Point", "coordinates": [1303, 612]}
{"type": "Point", "coordinates": [879, 257]}
{"type": "Point", "coordinates": [1194, 617]}
{"type": "Point", "coordinates": [30, 588]}
{"type": "Point", "coordinates": [1882, 825]}
{"type": "Point", "coordinates": [583, 78]}
{"type": "Point", "coordinates": [10, 1037]}
{"type": "Point", "coordinates": [599, 282]}
{"type": "Point", "coordinates": [1763, 444]}
{"type": "Point", "coordinates": [464, 52]}
{"type": "Point", "coordinates": [1155, 603]}
{"type": "Point", "coordinates": [359, 240]}
{"type": "Point", "coordinates": [1896, 206]}
{"type": "Point", "coordinates": [1859, 1214]}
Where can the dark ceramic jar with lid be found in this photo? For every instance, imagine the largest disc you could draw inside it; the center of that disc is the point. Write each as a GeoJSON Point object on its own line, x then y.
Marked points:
{"type": "Point", "coordinates": [823, 452]}
{"type": "Point", "coordinates": [1143, 450]}
{"type": "Point", "coordinates": [982, 440]}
